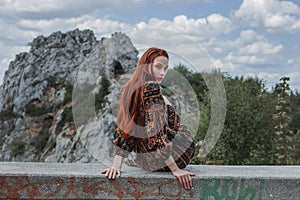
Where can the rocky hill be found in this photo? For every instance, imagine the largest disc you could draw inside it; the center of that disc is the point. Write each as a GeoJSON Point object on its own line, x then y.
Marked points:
{"type": "Point", "coordinates": [56, 99]}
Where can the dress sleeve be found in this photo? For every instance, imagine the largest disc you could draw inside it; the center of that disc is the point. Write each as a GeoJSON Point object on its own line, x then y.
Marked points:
{"type": "Point", "coordinates": [122, 147]}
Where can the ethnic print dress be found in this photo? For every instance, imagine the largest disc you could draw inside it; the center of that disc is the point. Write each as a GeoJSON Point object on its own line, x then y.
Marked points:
{"type": "Point", "coordinates": [163, 135]}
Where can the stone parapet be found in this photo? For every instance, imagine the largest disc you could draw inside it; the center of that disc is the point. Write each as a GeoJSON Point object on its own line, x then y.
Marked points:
{"type": "Point", "coordinates": [84, 181]}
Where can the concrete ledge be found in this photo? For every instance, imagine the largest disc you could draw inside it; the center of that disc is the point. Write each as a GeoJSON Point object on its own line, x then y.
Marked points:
{"type": "Point", "coordinates": [84, 181]}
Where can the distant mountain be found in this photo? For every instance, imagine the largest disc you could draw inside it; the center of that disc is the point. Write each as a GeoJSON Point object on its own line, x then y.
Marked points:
{"type": "Point", "coordinates": [56, 100]}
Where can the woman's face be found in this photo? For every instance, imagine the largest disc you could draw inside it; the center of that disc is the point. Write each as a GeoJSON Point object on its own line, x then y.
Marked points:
{"type": "Point", "coordinates": [159, 68]}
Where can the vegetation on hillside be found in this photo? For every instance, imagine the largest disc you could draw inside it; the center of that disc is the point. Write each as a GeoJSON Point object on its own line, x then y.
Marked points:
{"type": "Point", "coordinates": [261, 127]}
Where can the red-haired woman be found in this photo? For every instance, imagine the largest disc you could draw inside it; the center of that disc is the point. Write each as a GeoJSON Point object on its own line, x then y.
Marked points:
{"type": "Point", "coordinates": [149, 125]}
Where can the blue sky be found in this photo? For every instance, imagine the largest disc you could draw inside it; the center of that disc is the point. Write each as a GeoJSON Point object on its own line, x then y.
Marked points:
{"type": "Point", "coordinates": [167, 10]}
{"type": "Point", "coordinates": [258, 38]}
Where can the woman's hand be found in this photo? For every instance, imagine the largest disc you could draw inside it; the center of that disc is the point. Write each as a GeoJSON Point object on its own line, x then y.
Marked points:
{"type": "Point", "coordinates": [111, 173]}
{"type": "Point", "coordinates": [115, 170]}
{"type": "Point", "coordinates": [184, 178]}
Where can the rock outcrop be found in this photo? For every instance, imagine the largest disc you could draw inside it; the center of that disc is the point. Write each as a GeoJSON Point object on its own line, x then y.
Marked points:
{"type": "Point", "coordinates": [56, 100]}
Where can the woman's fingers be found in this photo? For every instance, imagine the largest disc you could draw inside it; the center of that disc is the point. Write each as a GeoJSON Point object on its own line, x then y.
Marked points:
{"type": "Point", "coordinates": [111, 173]}
{"type": "Point", "coordinates": [189, 179]}
{"type": "Point", "coordinates": [114, 174]}
{"type": "Point", "coordinates": [106, 172]}
{"type": "Point", "coordinates": [186, 181]}
{"type": "Point", "coordinates": [192, 174]}
{"type": "Point", "coordinates": [180, 181]}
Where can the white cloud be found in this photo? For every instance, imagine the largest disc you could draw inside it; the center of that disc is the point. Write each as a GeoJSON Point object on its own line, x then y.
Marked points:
{"type": "Point", "coordinates": [294, 62]}
{"type": "Point", "coordinates": [52, 5]}
{"type": "Point", "coordinates": [270, 79]}
{"type": "Point", "coordinates": [183, 2]}
{"type": "Point", "coordinates": [247, 36]}
{"type": "Point", "coordinates": [200, 29]}
{"type": "Point", "coordinates": [219, 44]}
{"type": "Point", "coordinates": [247, 50]}
{"type": "Point", "coordinates": [260, 47]}
{"type": "Point", "coordinates": [293, 71]}
{"type": "Point", "coordinates": [34, 9]}
{"type": "Point", "coordinates": [230, 47]}
{"type": "Point", "coordinates": [274, 15]}
{"type": "Point", "coordinates": [294, 76]}
{"type": "Point", "coordinates": [99, 26]}
{"type": "Point", "coordinates": [244, 59]}
{"type": "Point", "coordinates": [14, 34]}
{"type": "Point", "coordinates": [276, 20]}
{"type": "Point", "coordinates": [273, 78]}
{"type": "Point", "coordinates": [31, 6]}
{"type": "Point", "coordinates": [294, 80]}
{"type": "Point", "coordinates": [268, 76]}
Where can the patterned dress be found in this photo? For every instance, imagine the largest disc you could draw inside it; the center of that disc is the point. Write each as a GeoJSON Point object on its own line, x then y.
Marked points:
{"type": "Point", "coordinates": [162, 135]}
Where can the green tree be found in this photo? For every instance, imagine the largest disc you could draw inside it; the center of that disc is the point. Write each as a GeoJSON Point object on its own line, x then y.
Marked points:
{"type": "Point", "coordinates": [295, 125]}
{"type": "Point", "coordinates": [247, 137]}
{"type": "Point", "coordinates": [295, 111]}
{"type": "Point", "coordinates": [285, 147]}
{"type": "Point", "coordinates": [254, 116]}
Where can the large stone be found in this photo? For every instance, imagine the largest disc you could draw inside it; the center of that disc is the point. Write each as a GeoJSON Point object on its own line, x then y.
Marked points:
{"type": "Point", "coordinates": [35, 119]}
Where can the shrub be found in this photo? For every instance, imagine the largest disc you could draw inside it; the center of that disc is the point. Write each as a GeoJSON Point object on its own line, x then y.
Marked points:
{"type": "Point", "coordinates": [17, 147]}
{"type": "Point", "coordinates": [7, 114]}
{"type": "Point", "coordinates": [102, 92]}
{"type": "Point", "coordinates": [68, 95]}
{"type": "Point", "coordinates": [40, 141]}
{"type": "Point", "coordinates": [33, 110]}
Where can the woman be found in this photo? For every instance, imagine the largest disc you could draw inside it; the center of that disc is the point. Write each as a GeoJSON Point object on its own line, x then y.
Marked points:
{"type": "Point", "coordinates": [149, 125]}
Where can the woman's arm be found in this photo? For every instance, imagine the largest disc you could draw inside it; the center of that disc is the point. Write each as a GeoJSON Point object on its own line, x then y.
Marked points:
{"type": "Point", "coordinates": [121, 151]}
{"type": "Point", "coordinates": [115, 170]}
{"type": "Point", "coordinates": [184, 177]}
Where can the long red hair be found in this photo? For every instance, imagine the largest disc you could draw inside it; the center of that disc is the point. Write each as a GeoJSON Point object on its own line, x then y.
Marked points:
{"type": "Point", "coordinates": [129, 117]}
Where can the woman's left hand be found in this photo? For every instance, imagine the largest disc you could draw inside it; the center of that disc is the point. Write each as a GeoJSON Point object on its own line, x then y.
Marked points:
{"type": "Point", "coordinates": [184, 178]}
{"type": "Point", "coordinates": [111, 173]}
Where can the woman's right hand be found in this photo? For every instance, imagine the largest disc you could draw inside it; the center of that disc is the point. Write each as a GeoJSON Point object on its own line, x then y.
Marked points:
{"type": "Point", "coordinates": [112, 173]}
{"type": "Point", "coordinates": [184, 178]}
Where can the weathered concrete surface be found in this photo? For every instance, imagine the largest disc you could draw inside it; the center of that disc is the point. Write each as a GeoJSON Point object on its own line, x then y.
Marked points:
{"type": "Point", "coordinates": [84, 181]}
